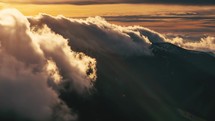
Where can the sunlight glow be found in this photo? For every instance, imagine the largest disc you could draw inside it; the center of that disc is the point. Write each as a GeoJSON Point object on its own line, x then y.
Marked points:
{"type": "Point", "coordinates": [99, 10]}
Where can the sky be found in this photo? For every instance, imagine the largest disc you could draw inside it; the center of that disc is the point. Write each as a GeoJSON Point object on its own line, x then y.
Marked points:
{"type": "Point", "coordinates": [115, 1]}
{"type": "Point", "coordinates": [165, 18]}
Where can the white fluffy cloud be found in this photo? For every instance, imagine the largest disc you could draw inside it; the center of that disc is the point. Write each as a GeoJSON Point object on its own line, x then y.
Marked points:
{"type": "Point", "coordinates": [206, 44]}
{"type": "Point", "coordinates": [29, 60]}
{"type": "Point", "coordinates": [98, 35]}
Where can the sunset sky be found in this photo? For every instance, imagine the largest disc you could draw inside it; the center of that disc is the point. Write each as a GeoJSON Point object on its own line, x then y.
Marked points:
{"type": "Point", "coordinates": [188, 16]}
{"type": "Point", "coordinates": [114, 1]}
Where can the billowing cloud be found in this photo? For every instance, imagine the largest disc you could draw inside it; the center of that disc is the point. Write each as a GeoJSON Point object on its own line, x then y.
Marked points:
{"type": "Point", "coordinates": [34, 65]}
{"type": "Point", "coordinates": [206, 44]}
{"type": "Point", "coordinates": [98, 35]}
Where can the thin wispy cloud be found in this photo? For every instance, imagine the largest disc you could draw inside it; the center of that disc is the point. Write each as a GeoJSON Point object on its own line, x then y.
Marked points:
{"type": "Point", "coordinates": [83, 2]}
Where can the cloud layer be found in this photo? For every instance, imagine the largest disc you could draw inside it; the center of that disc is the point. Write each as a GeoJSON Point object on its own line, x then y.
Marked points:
{"type": "Point", "coordinates": [206, 44]}
{"type": "Point", "coordinates": [98, 35]}
{"type": "Point", "coordinates": [116, 1]}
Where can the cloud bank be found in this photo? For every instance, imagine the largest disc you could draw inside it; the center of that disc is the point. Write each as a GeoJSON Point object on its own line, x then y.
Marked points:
{"type": "Point", "coordinates": [96, 34]}
{"type": "Point", "coordinates": [206, 44]}
{"type": "Point", "coordinates": [38, 58]}
{"type": "Point", "coordinates": [33, 66]}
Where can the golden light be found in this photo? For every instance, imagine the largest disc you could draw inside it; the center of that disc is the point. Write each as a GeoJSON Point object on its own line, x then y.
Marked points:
{"type": "Point", "coordinates": [69, 10]}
